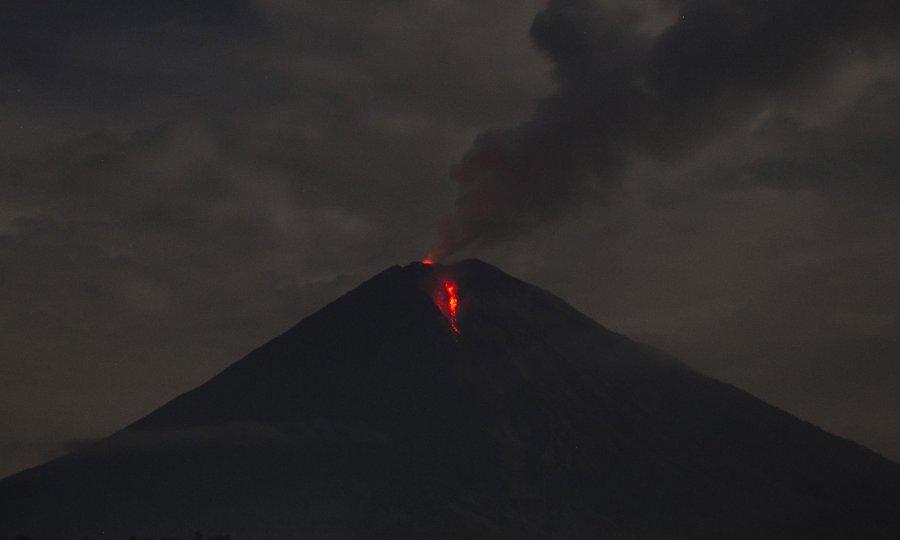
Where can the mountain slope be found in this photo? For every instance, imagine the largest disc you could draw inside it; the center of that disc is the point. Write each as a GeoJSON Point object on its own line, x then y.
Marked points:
{"type": "Point", "coordinates": [372, 418]}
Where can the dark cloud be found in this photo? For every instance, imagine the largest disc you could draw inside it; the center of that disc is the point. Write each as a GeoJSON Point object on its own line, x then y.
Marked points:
{"type": "Point", "coordinates": [625, 90]}
{"type": "Point", "coordinates": [112, 57]}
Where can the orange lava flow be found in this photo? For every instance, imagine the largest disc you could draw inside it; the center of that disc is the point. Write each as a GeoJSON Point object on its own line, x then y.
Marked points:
{"type": "Point", "coordinates": [452, 304]}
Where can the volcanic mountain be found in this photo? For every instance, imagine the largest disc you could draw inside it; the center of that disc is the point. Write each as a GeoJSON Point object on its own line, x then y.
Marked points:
{"type": "Point", "coordinates": [515, 416]}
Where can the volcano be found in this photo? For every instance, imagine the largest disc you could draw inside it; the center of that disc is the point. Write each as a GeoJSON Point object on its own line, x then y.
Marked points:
{"type": "Point", "coordinates": [380, 416]}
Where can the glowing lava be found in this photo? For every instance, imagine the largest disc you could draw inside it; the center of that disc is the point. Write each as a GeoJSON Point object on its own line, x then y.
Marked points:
{"type": "Point", "coordinates": [452, 304]}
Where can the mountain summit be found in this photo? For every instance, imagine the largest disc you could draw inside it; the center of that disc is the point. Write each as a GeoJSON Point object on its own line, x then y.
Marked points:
{"type": "Point", "coordinates": [512, 415]}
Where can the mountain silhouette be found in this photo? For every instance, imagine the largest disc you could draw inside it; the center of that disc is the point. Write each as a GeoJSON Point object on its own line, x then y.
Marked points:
{"type": "Point", "coordinates": [374, 418]}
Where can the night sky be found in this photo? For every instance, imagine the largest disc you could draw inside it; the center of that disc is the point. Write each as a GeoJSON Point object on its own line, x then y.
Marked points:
{"type": "Point", "coordinates": [180, 181]}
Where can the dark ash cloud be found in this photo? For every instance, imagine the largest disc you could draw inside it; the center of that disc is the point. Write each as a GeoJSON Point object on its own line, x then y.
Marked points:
{"type": "Point", "coordinates": [627, 90]}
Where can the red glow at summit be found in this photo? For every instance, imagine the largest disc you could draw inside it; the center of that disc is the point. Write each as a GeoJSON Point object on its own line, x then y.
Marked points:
{"type": "Point", "coordinates": [446, 298]}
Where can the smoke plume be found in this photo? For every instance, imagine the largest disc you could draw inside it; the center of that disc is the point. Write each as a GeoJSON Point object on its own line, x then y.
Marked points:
{"type": "Point", "coordinates": [645, 79]}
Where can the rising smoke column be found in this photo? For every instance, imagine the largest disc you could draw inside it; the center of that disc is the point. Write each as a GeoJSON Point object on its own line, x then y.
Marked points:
{"type": "Point", "coordinates": [644, 78]}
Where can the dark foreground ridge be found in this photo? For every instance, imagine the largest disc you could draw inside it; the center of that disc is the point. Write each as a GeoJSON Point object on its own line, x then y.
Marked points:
{"type": "Point", "coordinates": [372, 418]}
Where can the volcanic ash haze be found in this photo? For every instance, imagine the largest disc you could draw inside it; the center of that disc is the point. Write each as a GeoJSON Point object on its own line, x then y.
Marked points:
{"type": "Point", "coordinates": [374, 418]}
{"type": "Point", "coordinates": [658, 81]}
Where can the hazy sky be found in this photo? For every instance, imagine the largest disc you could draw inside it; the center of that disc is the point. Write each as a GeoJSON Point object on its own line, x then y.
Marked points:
{"type": "Point", "coordinates": [182, 180]}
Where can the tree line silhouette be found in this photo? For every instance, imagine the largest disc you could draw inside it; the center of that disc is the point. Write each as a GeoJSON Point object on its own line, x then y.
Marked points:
{"type": "Point", "coordinates": [196, 536]}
